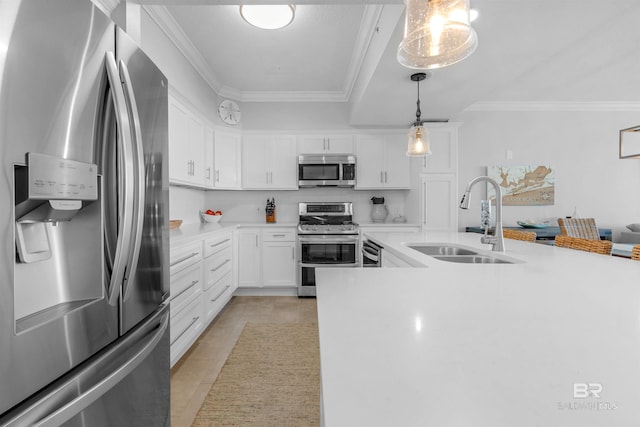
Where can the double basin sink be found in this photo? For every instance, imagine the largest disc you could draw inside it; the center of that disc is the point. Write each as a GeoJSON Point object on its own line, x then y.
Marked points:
{"type": "Point", "coordinates": [451, 253]}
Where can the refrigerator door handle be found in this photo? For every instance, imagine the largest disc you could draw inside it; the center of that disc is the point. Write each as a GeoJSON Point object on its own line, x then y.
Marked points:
{"type": "Point", "coordinates": [126, 193]}
{"type": "Point", "coordinates": [77, 405]}
{"type": "Point", "coordinates": [139, 173]}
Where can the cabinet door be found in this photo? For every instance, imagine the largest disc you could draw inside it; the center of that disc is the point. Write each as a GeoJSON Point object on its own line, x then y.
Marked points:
{"type": "Point", "coordinates": [179, 161]}
{"type": "Point", "coordinates": [321, 144]}
{"type": "Point", "coordinates": [283, 163]}
{"type": "Point", "coordinates": [439, 201]}
{"type": "Point", "coordinates": [279, 264]}
{"type": "Point", "coordinates": [444, 149]}
{"type": "Point", "coordinates": [312, 144]}
{"type": "Point", "coordinates": [397, 166]}
{"type": "Point", "coordinates": [370, 159]}
{"type": "Point", "coordinates": [196, 150]}
{"type": "Point", "coordinates": [227, 160]}
{"type": "Point", "coordinates": [209, 164]}
{"type": "Point", "coordinates": [255, 154]}
{"type": "Point", "coordinates": [249, 259]}
{"type": "Point", "coordinates": [340, 144]}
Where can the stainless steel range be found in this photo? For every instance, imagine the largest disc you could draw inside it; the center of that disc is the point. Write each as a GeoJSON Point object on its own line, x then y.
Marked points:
{"type": "Point", "coordinates": [327, 237]}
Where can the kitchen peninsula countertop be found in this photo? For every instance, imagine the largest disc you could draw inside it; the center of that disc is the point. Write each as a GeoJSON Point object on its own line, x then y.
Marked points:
{"type": "Point", "coordinates": [481, 345]}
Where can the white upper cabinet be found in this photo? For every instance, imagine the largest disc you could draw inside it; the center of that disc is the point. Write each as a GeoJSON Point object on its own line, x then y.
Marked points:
{"type": "Point", "coordinates": [209, 166]}
{"type": "Point", "coordinates": [444, 149]}
{"type": "Point", "coordinates": [325, 144]}
{"type": "Point", "coordinates": [269, 162]}
{"type": "Point", "coordinates": [227, 160]}
{"type": "Point", "coordinates": [186, 145]}
{"type": "Point", "coordinates": [381, 162]}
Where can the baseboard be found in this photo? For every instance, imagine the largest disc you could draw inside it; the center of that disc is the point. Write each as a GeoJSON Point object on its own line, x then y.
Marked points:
{"type": "Point", "coordinates": [256, 292]}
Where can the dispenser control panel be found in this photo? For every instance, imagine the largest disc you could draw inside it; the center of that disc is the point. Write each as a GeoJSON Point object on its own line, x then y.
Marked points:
{"type": "Point", "coordinates": [55, 178]}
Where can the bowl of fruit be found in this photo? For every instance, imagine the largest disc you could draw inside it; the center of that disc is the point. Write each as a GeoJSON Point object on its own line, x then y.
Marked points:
{"type": "Point", "coordinates": [211, 216]}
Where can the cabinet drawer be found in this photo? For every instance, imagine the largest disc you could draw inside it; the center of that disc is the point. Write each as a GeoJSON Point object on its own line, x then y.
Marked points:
{"type": "Point", "coordinates": [185, 279]}
{"type": "Point", "coordinates": [217, 295]}
{"type": "Point", "coordinates": [187, 318]}
{"type": "Point", "coordinates": [185, 256]}
{"type": "Point", "coordinates": [216, 244]}
{"type": "Point", "coordinates": [279, 235]}
{"type": "Point", "coordinates": [182, 299]}
{"type": "Point", "coordinates": [217, 266]}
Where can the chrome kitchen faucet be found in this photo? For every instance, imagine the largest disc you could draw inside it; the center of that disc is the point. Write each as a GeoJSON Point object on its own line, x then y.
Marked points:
{"type": "Point", "coordinates": [497, 240]}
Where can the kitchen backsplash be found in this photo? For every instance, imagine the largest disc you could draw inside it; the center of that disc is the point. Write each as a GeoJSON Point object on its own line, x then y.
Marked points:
{"type": "Point", "coordinates": [249, 206]}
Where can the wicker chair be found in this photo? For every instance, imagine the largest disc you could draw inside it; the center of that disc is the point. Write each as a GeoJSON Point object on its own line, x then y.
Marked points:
{"type": "Point", "coordinates": [596, 246]}
{"type": "Point", "coordinates": [635, 253]}
{"type": "Point", "coordinates": [584, 228]}
{"type": "Point", "coordinates": [527, 236]}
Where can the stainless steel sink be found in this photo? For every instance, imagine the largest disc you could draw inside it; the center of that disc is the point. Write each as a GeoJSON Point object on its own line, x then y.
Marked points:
{"type": "Point", "coordinates": [473, 259]}
{"type": "Point", "coordinates": [437, 250]}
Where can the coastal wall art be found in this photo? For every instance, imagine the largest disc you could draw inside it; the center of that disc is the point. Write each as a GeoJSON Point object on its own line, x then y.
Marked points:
{"type": "Point", "coordinates": [531, 185]}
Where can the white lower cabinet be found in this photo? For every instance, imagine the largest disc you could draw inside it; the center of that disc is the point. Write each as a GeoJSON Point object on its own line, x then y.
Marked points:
{"type": "Point", "coordinates": [249, 258]}
{"type": "Point", "coordinates": [267, 257]}
{"type": "Point", "coordinates": [218, 273]}
{"type": "Point", "coordinates": [279, 258]}
{"type": "Point", "coordinates": [201, 285]}
{"type": "Point", "coordinates": [185, 302]}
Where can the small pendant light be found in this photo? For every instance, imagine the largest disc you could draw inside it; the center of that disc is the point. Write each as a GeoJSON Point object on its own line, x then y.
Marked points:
{"type": "Point", "coordinates": [437, 33]}
{"type": "Point", "coordinates": [418, 137]}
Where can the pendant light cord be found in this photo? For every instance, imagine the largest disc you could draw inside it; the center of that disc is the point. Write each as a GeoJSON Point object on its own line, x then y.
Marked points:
{"type": "Point", "coordinates": [418, 112]}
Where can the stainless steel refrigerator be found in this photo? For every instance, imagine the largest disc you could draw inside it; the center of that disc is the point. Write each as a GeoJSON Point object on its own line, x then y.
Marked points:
{"type": "Point", "coordinates": [84, 336]}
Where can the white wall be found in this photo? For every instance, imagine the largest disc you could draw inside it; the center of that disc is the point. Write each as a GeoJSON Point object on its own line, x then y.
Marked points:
{"type": "Point", "coordinates": [583, 148]}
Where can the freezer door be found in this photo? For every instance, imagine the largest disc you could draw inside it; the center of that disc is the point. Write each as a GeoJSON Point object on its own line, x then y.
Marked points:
{"type": "Point", "coordinates": [127, 384]}
{"type": "Point", "coordinates": [54, 313]}
{"type": "Point", "coordinates": [146, 89]}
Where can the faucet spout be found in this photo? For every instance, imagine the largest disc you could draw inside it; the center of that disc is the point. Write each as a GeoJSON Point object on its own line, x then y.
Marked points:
{"type": "Point", "coordinates": [497, 240]}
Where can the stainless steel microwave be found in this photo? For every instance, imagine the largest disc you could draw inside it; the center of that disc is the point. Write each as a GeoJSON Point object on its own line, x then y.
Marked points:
{"type": "Point", "coordinates": [326, 170]}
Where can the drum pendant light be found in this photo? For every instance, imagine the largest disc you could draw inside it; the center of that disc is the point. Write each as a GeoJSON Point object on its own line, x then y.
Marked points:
{"type": "Point", "coordinates": [418, 137]}
{"type": "Point", "coordinates": [437, 33]}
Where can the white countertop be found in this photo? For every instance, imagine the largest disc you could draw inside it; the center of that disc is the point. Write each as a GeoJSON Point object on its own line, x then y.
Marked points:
{"type": "Point", "coordinates": [481, 345]}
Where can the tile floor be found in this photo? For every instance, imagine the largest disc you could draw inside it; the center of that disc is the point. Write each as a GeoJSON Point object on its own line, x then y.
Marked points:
{"type": "Point", "coordinates": [194, 374]}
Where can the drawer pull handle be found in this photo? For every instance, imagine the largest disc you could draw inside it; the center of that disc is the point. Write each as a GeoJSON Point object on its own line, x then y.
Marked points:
{"type": "Point", "coordinates": [188, 288]}
{"type": "Point", "coordinates": [193, 321]}
{"type": "Point", "coordinates": [220, 294]}
{"type": "Point", "coordinates": [218, 267]}
{"type": "Point", "coordinates": [185, 258]}
{"type": "Point", "coordinates": [219, 243]}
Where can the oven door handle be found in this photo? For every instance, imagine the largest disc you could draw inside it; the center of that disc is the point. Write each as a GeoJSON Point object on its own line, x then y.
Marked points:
{"type": "Point", "coordinates": [321, 241]}
{"type": "Point", "coordinates": [351, 264]}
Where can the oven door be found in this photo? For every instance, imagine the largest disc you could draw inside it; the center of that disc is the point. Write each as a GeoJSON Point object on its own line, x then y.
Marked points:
{"type": "Point", "coordinates": [324, 251]}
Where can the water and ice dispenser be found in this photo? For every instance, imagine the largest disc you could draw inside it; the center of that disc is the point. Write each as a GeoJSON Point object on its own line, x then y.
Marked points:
{"type": "Point", "coordinates": [58, 236]}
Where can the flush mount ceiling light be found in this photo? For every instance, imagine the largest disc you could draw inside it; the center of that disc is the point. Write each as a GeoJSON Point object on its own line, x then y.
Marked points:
{"type": "Point", "coordinates": [418, 142]}
{"type": "Point", "coordinates": [437, 33]}
{"type": "Point", "coordinates": [268, 17]}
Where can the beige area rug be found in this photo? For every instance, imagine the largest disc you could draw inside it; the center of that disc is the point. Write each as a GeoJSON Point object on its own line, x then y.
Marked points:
{"type": "Point", "coordinates": [271, 378]}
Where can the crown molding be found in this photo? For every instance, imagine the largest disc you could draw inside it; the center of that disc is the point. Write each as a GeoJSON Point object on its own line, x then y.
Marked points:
{"type": "Point", "coordinates": [168, 25]}
{"type": "Point", "coordinates": [165, 21]}
{"type": "Point", "coordinates": [368, 29]}
{"type": "Point", "coordinates": [107, 6]}
{"type": "Point", "coordinates": [553, 106]}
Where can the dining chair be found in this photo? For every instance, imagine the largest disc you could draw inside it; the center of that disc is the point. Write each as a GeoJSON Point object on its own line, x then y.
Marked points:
{"type": "Point", "coordinates": [584, 228]}
{"type": "Point", "coordinates": [527, 236]}
{"type": "Point", "coordinates": [635, 253]}
{"type": "Point", "coordinates": [589, 245]}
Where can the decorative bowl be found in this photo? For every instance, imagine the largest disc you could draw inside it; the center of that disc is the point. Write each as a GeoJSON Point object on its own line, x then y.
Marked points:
{"type": "Point", "coordinates": [210, 218]}
{"type": "Point", "coordinates": [174, 223]}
